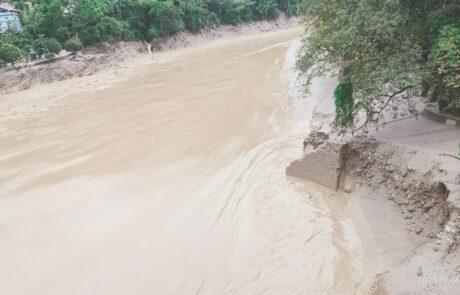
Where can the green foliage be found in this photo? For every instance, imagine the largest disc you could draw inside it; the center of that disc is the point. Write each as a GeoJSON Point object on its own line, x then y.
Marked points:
{"type": "Point", "coordinates": [52, 45]}
{"type": "Point", "coordinates": [383, 46]}
{"type": "Point", "coordinates": [73, 45]}
{"type": "Point", "coordinates": [344, 104]}
{"type": "Point", "coordinates": [266, 9]}
{"type": "Point", "coordinates": [165, 17]}
{"type": "Point", "coordinates": [10, 53]}
{"type": "Point", "coordinates": [196, 15]}
{"type": "Point", "coordinates": [290, 7]}
{"type": "Point", "coordinates": [2, 63]}
{"type": "Point", "coordinates": [78, 23]}
{"type": "Point", "coordinates": [38, 47]}
{"type": "Point", "coordinates": [44, 47]}
{"type": "Point", "coordinates": [21, 40]}
{"type": "Point", "coordinates": [445, 60]}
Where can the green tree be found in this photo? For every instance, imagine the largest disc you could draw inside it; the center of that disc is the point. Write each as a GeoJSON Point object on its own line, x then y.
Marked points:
{"type": "Point", "coordinates": [10, 53]}
{"type": "Point", "coordinates": [87, 18]}
{"type": "Point", "coordinates": [73, 45]}
{"type": "Point", "coordinates": [445, 60]}
{"type": "Point", "coordinates": [197, 16]}
{"type": "Point", "coordinates": [344, 104]}
{"type": "Point", "coordinates": [290, 7]}
{"type": "Point", "coordinates": [164, 18]}
{"type": "Point", "coordinates": [94, 21]}
{"type": "Point", "coordinates": [52, 46]}
{"type": "Point", "coordinates": [266, 9]}
{"type": "Point", "coordinates": [381, 46]}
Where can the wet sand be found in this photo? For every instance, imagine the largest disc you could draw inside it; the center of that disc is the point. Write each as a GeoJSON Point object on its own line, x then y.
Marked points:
{"type": "Point", "coordinates": [169, 179]}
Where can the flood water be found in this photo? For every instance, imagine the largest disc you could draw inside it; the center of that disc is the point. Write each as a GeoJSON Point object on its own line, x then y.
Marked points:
{"type": "Point", "coordinates": [172, 181]}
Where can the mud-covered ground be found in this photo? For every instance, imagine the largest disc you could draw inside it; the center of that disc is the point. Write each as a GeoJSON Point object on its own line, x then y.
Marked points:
{"type": "Point", "coordinates": [401, 184]}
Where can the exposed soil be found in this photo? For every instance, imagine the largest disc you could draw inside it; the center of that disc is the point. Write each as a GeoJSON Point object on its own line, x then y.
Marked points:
{"type": "Point", "coordinates": [409, 197]}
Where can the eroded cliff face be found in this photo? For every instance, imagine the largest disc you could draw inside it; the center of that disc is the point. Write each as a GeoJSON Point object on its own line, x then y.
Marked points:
{"type": "Point", "coordinates": [421, 186]}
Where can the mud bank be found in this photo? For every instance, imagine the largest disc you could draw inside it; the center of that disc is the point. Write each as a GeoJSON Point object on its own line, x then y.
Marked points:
{"type": "Point", "coordinates": [105, 56]}
{"type": "Point", "coordinates": [404, 201]}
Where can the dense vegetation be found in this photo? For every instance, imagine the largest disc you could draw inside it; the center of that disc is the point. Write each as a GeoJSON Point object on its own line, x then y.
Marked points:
{"type": "Point", "coordinates": [388, 51]}
{"type": "Point", "coordinates": [49, 24]}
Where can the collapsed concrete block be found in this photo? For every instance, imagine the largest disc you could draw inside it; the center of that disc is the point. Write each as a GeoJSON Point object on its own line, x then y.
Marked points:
{"type": "Point", "coordinates": [322, 166]}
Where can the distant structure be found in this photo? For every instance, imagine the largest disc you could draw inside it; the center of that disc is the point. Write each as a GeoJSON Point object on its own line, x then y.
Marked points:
{"type": "Point", "coordinates": [9, 18]}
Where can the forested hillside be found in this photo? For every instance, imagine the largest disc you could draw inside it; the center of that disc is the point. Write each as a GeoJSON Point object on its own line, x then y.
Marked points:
{"type": "Point", "coordinates": [50, 25]}
{"type": "Point", "coordinates": [388, 51]}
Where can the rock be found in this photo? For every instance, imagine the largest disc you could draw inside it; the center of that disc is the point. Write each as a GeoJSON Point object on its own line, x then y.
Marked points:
{"type": "Point", "coordinates": [315, 139]}
{"type": "Point", "coordinates": [449, 229]}
{"type": "Point", "coordinates": [348, 188]}
{"type": "Point", "coordinates": [420, 271]}
{"type": "Point", "coordinates": [427, 206]}
{"type": "Point", "coordinates": [419, 230]}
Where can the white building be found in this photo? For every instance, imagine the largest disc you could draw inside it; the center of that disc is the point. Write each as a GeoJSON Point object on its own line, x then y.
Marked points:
{"type": "Point", "coordinates": [9, 18]}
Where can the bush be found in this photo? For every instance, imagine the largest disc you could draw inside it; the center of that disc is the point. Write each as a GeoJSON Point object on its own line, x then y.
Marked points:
{"type": "Point", "coordinates": [52, 46]}
{"type": "Point", "coordinates": [344, 104]}
{"type": "Point", "coordinates": [266, 9]}
{"type": "Point", "coordinates": [73, 44]}
{"type": "Point", "coordinates": [197, 16]}
{"type": "Point", "coordinates": [10, 53]}
{"type": "Point", "coordinates": [445, 60]}
{"type": "Point", "coordinates": [38, 47]}
{"type": "Point", "coordinates": [2, 63]}
{"type": "Point", "coordinates": [165, 16]}
{"type": "Point", "coordinates": [290, 7]}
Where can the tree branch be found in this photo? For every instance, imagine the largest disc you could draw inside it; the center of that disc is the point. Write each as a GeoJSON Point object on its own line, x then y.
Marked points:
{"type": "Point", "coordinates": [390, 98]}
{"type": "Point", "coordinates": [449, 155]}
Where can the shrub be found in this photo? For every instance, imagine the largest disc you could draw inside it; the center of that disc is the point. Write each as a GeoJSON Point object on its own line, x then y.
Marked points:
{"type": "Point", "coordinates": [73, 44]}
{"type": "Point", "coordinates": [165, 16]}
{"type": "Point", "coordinates": [290, 7]}
{"type": "Point", "coordinates": [2, 63]}
{"type": "Point", "coordinates": [344, 104]}
{"type": "Point", "coordinates": [197, 16]}
{"type": "Point", "coordinates": [52, 46]}
{"type": "Point", "coordinates": [266, 9]}
{"type": "Point", "coordinates": [445, 59]}
{"type": "Point", "coordinates": [10, 53]}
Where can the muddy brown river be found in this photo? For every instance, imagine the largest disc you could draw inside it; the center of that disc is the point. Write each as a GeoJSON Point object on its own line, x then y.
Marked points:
{"type": "Point", "coordinates": [170, 181]}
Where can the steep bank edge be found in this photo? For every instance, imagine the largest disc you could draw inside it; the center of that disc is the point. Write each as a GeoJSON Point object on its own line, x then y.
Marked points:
{"type": "Point", "coordinates": [420, 185]}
